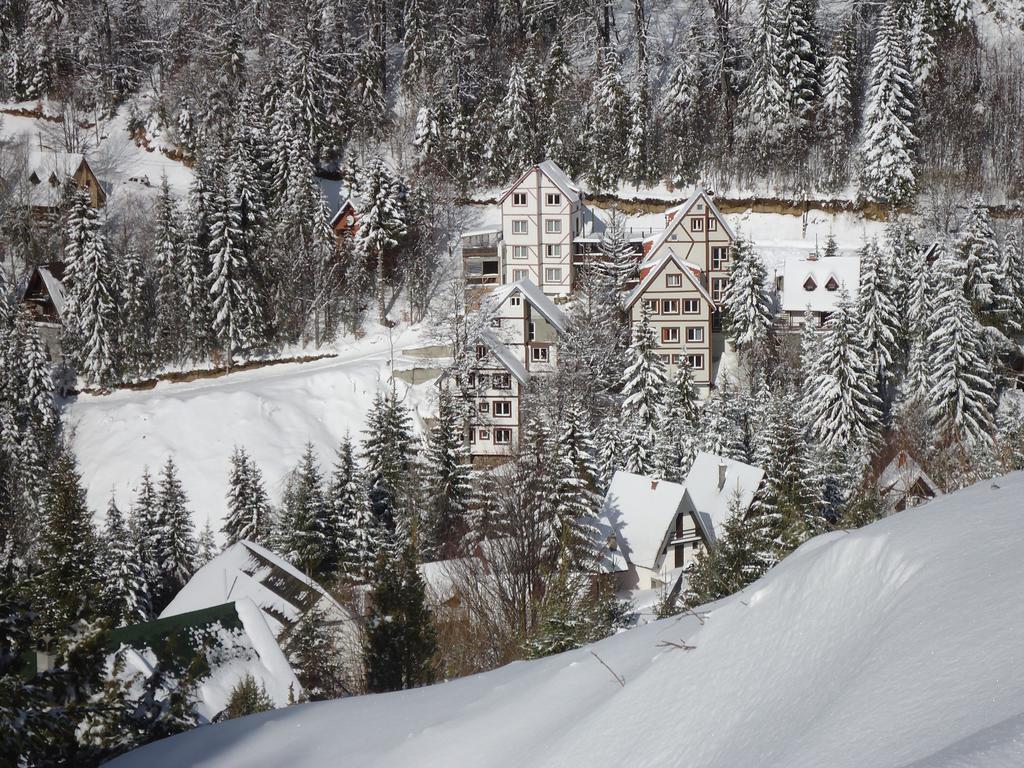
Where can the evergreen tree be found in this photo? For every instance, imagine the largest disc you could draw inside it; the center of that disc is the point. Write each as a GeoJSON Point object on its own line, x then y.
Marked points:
{"type": "Point", "coordinates": [167, 255]}
{"type": "Point", "coordinates": [747, 309]}
{"type": "Point", "coordinates": [447, 481]}
{"type": "Point", "coordinates": [387, 451]}
{"type": "Point", "coordinates": [887, 148]}
{"type": "Point", "coordinates": [798, 48]}
{"type": "Point", "coordinates": [514, 143]}
{"type": "Point", "coordinates": [835, 118]}
{"type": "Point", "coordinates": [683, 105]}
{"type": "Point", "coordinates": [619, 262]}
{"type": "Point", "coordinates": [400, 636]}
{"type": "Point", "coordinates": [765, 122]}
{"type": "Point", "coordinates": [357, 531]}
{"type": "Point", "coordinates": [125, 591]}
{"type": "Point", "coordinates": [979, 255]}
{"type": "Point", "coordinates": [176, 553]}
{"type": "Point", "coordinates": [206, 546]}
{"type": "Point", "coordinates": [247, 698]}
{"type": "Point", "coordinates": [314, 654]}
{"type": "Point", "coordinates": [248, 515]}
{"type": "Point", "coordinates": [643, 380]}
{"type": "Point", "coordinates": [960, 397]}
{"type": "Point", "coordinates": [880, 320]}
{"type": "Point", "coordinates": [146, 537]}
{"type": "Point", "coordinates": [607, 120]}
{"type": "Point", "coordinates": [309, 535]}
{"type": "Point", "coordinates": [575, 491]}
{"type": "Point", "coordinates": [382, 222]}
{"type": "Point", "coordinates": [839, 396]}
{"type": "Point", "coordinates": [136, 313]}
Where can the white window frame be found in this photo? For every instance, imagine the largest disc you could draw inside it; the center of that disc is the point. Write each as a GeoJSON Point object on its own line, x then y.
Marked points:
{"type": "Point", "coordinates": [718, 288]}
{"type": "Point", "coordinates": [688, 303]}
{"type": "Point", "coordinates": [485, 434]}
{"type": "Point", "coordinates": [651, 305]}
{"type": "Point", "coordinates": [694, 334]}
{"type": "Point", "coordinates": [515, 301]}
{"type": "Point", "coordinates": [520, 274]}
{"type": "Point", "coordinates": [518, 199]}
{"type": "Point", "coordinates": [719, 256]}
{"type": "Point", "coordinates": [520, 226]}
{"type": "Point", "coordinates": [553, 251]}
{"type": "Point", "coordinates": [505, 433]}
{"type": "Point", "coordinates": [483, 407]}
{"type": "Point", "coordinates": [553, 198]}
{"type": "Point", "coordinates": [670, 306]}
{"type": "Point", "coordinates": [553, 226]}
{"type": "Point", "coordinates": [502, 409]}
{"type": "Point", "coordinates": [539, 355]}
{"type": "Point", "coordinates": [552, 274]}
{"type": "Point", "coordinates": [520, 252]}
{"type": "Point", "coordinates": [712, 224]}
{"type": "Point", "coordinates": [674, 281]}
{"type": "Point", "coordinates": [697, 224]}
{"type": "Point", "coordinates": [504, 382]}
{"type": "Point", "coordinates": [694, 359]}
{"type": "Point", "coordinates": [670, 334]}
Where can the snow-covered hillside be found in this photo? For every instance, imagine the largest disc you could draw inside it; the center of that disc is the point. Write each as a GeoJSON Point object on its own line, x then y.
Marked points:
{"type": "Point", "coordinates": [271, 412]}
{"type": "Point", "coordinates": [900, 644]}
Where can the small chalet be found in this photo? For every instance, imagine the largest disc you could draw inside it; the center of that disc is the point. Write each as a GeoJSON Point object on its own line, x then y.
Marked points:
{"type": "Point", "coordinates": [45, 298]}
{"type": "Point", "coordinates": [903, 484]}
{"type": "Point", "coordinates": [345, 222]}
{"type": "Point", "coordinates": [651, 530]}
{"type": "Point", "coordinates": [48, 174]}
{"type": "Point", "coordinates": [813, 284]}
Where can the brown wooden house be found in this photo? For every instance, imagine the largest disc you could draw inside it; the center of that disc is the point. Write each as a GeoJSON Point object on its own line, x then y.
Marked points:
{"type": "Point", "coordinates": [345, 223]}
{"type": "Point", "coordinates": [48, 174]}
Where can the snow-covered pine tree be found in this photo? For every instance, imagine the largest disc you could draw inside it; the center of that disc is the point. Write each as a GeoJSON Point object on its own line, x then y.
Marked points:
{"type": "Point", "coordinates": [978, 250]}
{"type": "Point", "coordinates": [840, 391]}
{"type": "Point", "coordinates": [798, 48]}
{"type": "Point", "coordinates": [677, 426]}
{"type": "Point", "coordinates": [68, 581]}
{"type": "Point", "coordinates": [167, 256]}
{"type": "Point", "coordinates": [447, 479]}
{"type": "Point", "coordinates": [146, 536]}
{"type": "Point", "coordinates": [514, 142]}
{"type": "Point", "coordinates": [923, 43]}
{"type": "Point", "coordinates": [887, 149]}
{"type": "Point", "coordinates": [125, 591]}
{"type": "Point", "coordinates": [638, 139]}
{"type": "Point", "coordinates": [609, 449]}
{"type": "Point", "coordinates": [309, 535]}
{"type": "Point", "coordinates": [248, 516]}
{"type": "Point", "coordinates": [194, 271]}
{"type": "Point", "coordinates": [382, 223]}
{"type": "Point", "coordinates": [879, 317]}
{"type": "Point", "coordinates": [683, 104]}
{"type": "Point", "coordinates": [387, 451]}
{"type": "Point", "coordinates": [400, 636]}
{"type": "Point", "coordinates": [835, 118]}
{"type": "Point", "coordinates": [618, 259]}
{"type": "Point", "coordinates": [642, 388]}
{"type": "Point", "coordinates": [136, 318]}
{"type": "Point", "coordinates": [575, 493]}
{"type": "Point", "coordinates": [357, 530]}
{"type": "Point", "coordinates": [1012, 269]}
{"type": "Point", "coordinates": [748, 313]}
{"type": "Point", "coordinates": [764, 106]}
{"type": "Point", "coordinates": [176, 555]}
{"type": "Point", "coordinates": [90, 281]}
{"type": "Point", "coordinates": [607, 124]}
{"type": "Point", "coordinates": [206, 545]}
{"type": "Point", "coordinates": [960, 402]}
{"type": "Point", "coordinates": [315, 655]}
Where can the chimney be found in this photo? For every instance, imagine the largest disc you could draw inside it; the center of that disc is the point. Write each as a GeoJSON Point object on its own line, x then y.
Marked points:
{"type": "Point", "coordinates": [722, 467]}
{"type": "Point", "coordinates": [813, 255]}
{"type": "Point", "coordinates": [654, 484]}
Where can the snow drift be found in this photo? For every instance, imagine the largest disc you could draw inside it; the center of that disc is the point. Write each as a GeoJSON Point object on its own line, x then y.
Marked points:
{"type": "Point", "coordinates": [900, 644]}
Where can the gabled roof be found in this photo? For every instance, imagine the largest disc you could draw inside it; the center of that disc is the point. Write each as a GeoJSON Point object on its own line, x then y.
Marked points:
{"type": "Point", "coordinates": [902, 474]}
{"type": "Point", "coordinates": [797, 269]}
{"type": "Point", "coordinates": [55, 288]}
{"type": "Point", "coordinates": [341, 210]}
{"type": "Point", "coordinates": [691, 271]}
{"type": "Point", "coordinates": [536, 298]}
{"type": "Point", "coordinates": [549, 168]}
{"type": "Point", "coordinates": [640, 511]}
{"type": "Point", "coordinates": [60, 164]}
{"type": "Point", "coordinates": [505, 356]}
{"type": "Point", "coordinates": [710, 495]}
{"type": "Point", "coordinates": [682, 208]}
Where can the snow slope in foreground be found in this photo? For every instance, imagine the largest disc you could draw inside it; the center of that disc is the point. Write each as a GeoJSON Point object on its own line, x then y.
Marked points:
{"type": "Point", "coordinates": [271, 412]}
{"type": "Point", "coordinates": [900, 644]}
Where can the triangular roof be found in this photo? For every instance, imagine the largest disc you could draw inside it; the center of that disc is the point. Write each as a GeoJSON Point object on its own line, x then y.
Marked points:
{"type": "Point", "coordinates": [549, 168]}
{"type": "Point", "coordinates": [60, 164]}
{"type": "Point", "coordinates": [652, 274]}
{"type": "Point", "coordinates": [901, 474]}
{"type": "Point", "coordinates": [536, 298]}
{"type": "Point", "coordinates": [682, 208]}
{"type": "Point", "coordinates": [711, 499]}
{"type": "Point", "coordinates": [505, 356]}
{"type": "Point", "coordinates": [341, 210]}
{"type": "Point", "coordinates": [640, 511]}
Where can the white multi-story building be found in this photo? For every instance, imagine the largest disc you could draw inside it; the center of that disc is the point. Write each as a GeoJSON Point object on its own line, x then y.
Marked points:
{"type": "Point", "coordinates": [541, 213]}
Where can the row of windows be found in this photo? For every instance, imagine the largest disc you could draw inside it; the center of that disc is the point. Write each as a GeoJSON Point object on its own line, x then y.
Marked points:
{"type": "Point", "coordinates": [671, 306]}
{"type": "Point", "coordinates": [551, 275]}
{"type": "Point", "coordinates": [551, 198]}
{"type": "Point", "coordinates": [502, 408]}
{"type": "Point", "coordinates": [694, 334]}
{"type": "Point", "coordinates": [502, 435]}
{"type": "Point", "coordinates": [696, 361]}
{"type": "Point", "coordinates": [522, 226]}
{"type": "Point", "coordinates": [489, 380]}
{"type": "Point", "coordinates": [523, 251]}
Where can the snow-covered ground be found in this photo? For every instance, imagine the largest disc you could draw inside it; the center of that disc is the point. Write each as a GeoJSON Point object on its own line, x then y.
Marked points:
{"type": "Point", "coordinates": [899, 644]}
{"type": "Point", "coordinates": [271, 412]}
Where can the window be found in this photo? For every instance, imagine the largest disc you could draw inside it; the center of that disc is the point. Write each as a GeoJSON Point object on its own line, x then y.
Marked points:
{"type": "Point", "coordinates": [809, 284]}
{"type": "Point", "coordinates": [518, 198]}
{"type": "Point", "coordinates": [502, 381]}
{"type": "Point", "coordinates": [472, 435]}
{"type": "Point", "coordinates": [691, 306]}
{"type": "Point", "coordinates": [670, 306]}
{"type": "Point", "coordinates": [539, 354]}
{"type": "Point", "coordinates": [519, 252]}
{"type": "Point", "coordinates": [553, 226]}
{"type": "Point", "coordinates": [485, 434]}
{"type": "Point", "coordinates": [531, 330]}
{"type": "Point", "coordinates": [696, 225]}
{"type": "Point", "coordinates": [495, 322]}
{"type": "Point", "coordinates": [481, 351]}
{"type": "Point", "coordinates": [832, 285]}
{"type": "Point", "coordinates": [670, 335]}
{"type": "Point", "coordinates": [520, 226]}
{"type": "Point", "coordinates": [718, 257]}
{"type": "Point", "coordinates": [470, 380]}
{"type": "Point", "coordinates": [502, 436]}
{"type": "Point", "coordinates": [717, 288]}
{"type": "Point", "coordinates": [553, 198]}
{"type": "Point", "coordinates": [553, 275]}
{"type": "Point", "coordinates": [694, 334]}
{"type": "Point", "coordinates": [666, 359]}
{"type": "Point", "coordinates": [696, 362]}
{"type": "Point", "coordinates": [483, 381]}
{"type": "Point", "coordinates": [651, 305]}
{"type": "Point", "coordinates": [554, 251]}
{"type": "Point", "coordinates": [712, 225]}
{"type": "Point", "coordinates": [502, 407]}
{"type": "Point", "coordinates": [673, 281]}
{"type": "Point", "coordinates": [515, 301]}
{"type": "Point", "coordinates": [677, 359]}
{"type": "Point", "coordinates": [520, 274]}
{"type": "Point", "coordinates": [483, 407]}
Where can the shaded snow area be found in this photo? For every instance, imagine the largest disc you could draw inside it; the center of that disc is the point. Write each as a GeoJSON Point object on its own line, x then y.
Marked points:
{"type": "Point", "coordinates": [270, 411]}
{"type": "Point", "coordinates": [900, 644]}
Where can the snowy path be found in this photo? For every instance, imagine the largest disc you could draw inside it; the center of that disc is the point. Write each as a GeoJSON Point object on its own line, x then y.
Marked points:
{"type": "Point", "coordinates": [271, 412]}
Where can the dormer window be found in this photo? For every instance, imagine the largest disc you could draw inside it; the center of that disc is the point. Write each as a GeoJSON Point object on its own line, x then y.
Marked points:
{"type": "Point", "coordinates": [481, 351]}
{"type": "Point", "coordinates": [809, 284]}
{"type": "Point", "coordinates": [611, 543]}
{"type": "Point", "coordinates": [832, 284]}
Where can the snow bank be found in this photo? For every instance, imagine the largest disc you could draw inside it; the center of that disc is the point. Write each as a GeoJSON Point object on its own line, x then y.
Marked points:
{"type": "Point", "coordinates": [271, 412]}
{"type": "Point", "coordinates": [900, 644]}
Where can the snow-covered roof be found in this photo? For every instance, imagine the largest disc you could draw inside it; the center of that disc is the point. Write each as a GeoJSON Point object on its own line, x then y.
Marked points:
{"type": "Point", "coordinates": [685, 206]}
{"type": "Point", "coordinates": [535, 297]}
{"type": "Point", "coordinates": [549, 168]}
{"type": "Point", "coordinates": [639, 511]}
{"type": "Point", "coordinates": [247, 570]}
{"type": "Point", "coordinates": [55, 288]}
{"type": "Point", "coordinates": [61, 165]}
{"type": "Point", "coordinates": [901, 475]}
{"type": "Point", "coordinates": [710, 485]}
{"type": "Point", "coordinates": [346, 204]}
{"type": "Point", "coordinates": [505, 356]}
{"type": "Point", "coordinates": [690, 270]}
{"type": "Point", "coordinates": [798, 270]}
